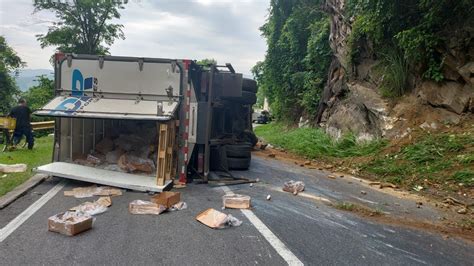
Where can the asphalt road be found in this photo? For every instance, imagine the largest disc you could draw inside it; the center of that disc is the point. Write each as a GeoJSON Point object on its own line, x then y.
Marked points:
{"type": "Point", "coordinates": [310, 229]}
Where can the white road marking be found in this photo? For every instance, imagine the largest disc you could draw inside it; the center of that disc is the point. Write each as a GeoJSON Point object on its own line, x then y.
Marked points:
{"type": "Point", "coordinates": [22, 217]}
{"type": "Point", "coordinates": [274, 241]}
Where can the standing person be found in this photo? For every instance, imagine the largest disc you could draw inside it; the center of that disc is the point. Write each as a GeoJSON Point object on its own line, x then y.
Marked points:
{"type": "Point", "coordinates": [22, 113]}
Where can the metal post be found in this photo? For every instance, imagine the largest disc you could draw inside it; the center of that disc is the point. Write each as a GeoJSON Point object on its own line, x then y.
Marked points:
{"type": "Point", "coordinates": [207, 147]}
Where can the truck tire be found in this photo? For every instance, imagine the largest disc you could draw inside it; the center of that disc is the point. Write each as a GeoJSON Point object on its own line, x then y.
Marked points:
{"type": "Point", "coordinates": [249, 85]}
{"type": "Point", "coordinates": [250, 137]}
{"type": "Point", "coordinates": [238, 163]}
{"type": "Point", "coordinates": [238, 150]}
{"type": "Point", "coordinates": [248, 98]}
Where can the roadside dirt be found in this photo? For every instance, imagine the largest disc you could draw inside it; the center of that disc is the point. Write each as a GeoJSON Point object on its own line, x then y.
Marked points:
{"type": "Point", "coordinates": [451, 224]}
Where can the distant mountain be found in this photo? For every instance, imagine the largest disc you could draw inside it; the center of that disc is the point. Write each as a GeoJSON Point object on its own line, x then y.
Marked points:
{"type": "Point", "coordinates": [27, 77]}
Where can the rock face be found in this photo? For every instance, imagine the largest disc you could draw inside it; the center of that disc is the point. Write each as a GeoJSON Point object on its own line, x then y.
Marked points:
{"type": "Point", "coordinates": [450, 95]}
{"type": "Point", "coordinates": [353, 104]}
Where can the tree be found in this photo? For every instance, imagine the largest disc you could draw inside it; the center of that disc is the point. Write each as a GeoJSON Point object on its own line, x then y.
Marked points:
{"type": "Point", "coordinates": [206, 62]}
{"type": "Point", "coordinates": [39, 95]}
{"type": "Point", "coordinates": [83, 25]}
{"type": "Point", "coordinates": [10, 62]}
{"type": "Point", "coordinates": [294, 71]}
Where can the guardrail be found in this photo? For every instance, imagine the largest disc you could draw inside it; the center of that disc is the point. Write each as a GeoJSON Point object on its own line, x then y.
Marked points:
{"type": "Point", "coordinates": [42, 125]}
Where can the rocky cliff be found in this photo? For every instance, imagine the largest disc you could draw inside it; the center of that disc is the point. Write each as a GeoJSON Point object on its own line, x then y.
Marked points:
{"type": "Point", "coordinates": [352, 101]}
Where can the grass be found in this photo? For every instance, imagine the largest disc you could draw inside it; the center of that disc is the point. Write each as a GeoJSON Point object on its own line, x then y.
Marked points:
{"type": "Point", "coordinates": [315, 143]}
{"type": "Point", "coordinates": [41, 154]}
{"type": "Point", "coordinates": [436, 158]}
{"type": "Point", "coordinates": [441, 160]}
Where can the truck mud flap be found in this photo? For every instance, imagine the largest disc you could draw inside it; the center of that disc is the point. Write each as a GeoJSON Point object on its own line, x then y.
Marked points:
{"type": "Point", "coordinates": [103, 177]}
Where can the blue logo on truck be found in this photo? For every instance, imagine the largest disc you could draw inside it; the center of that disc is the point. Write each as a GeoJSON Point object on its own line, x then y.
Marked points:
{"type": "Point", "coordinates": [79, 85]}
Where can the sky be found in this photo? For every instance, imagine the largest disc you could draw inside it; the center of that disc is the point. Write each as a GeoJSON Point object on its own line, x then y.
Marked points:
{"type": "Point", "coordinates": [225, 30]}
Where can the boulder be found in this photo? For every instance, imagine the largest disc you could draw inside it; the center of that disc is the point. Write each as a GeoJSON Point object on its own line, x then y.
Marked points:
{"type": "Point", "coordinates": [467, 72]}
{"type": "Point", "coordinates": [363, 112]}
{"type": "Point", "coordinates": [452, 96]}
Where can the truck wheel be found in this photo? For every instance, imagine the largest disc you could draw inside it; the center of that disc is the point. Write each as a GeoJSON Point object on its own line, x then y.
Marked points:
{"type": "Point", "coordinates": [249, 85]}
{"type": "Point", "coordinates": [248, 97]}
{"type": "Point", "coordinates": [250, 137]}
{"type": "Point", "coordinates": [238, 150]}
{"type": "Point", "coordinates": [238, 163]}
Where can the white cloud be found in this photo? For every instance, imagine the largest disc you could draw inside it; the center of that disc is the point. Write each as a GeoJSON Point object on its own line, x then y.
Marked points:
{"type": "Point", "coordinates": [221, 29]}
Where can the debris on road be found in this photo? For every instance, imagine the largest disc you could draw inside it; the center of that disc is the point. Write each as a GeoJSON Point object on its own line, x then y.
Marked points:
{"type": "Point", "coordinates": [70, 223]}
{"type": "Point", "coordinates": [462, 210]}
{"type": "Point", "coordinates": [167, 198]}
{"type": "Point", "coordinates": [217, 220]}
{"type": "Point", "coordinates": [293, 186]}
{"type": "Point", "coordinates": [418, 188]}
{"type": "Point", "coordinates": [86, 192]}
{"type": "Point", "coordinates": [269, 197]}
{"type": "Point", "coordinates": [177, 184]}
{"type": "Point", "coordinates": [331, 176]}
{"type": "Point", "coordinates": [90, 208]}
{"type": "Point", "coordinates": [383, 184]}
{"type": "Point", "coordinates": [390, 185]}
{"type": "Point", "coordinates": [13, 168]}
{"type": "Point", "coordinates": [453, 201]}
{"type": "Point", "coordinates": [363, 192]}
{"type": "Point", "coordinates": [145, 207]}
{"type": "Point", "coordinates": [236, 201]}
{"type": "Point", "coordinates": [179, 206]}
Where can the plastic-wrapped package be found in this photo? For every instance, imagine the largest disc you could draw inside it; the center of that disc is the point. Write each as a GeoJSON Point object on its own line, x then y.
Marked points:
{"type": "Point", "coordinates": [70, 223]}
{"type": "Point", "coordinates": [113, 156]}
{"type": "Point", "coordinates": [236, 201]}
{"type": "Point", "coordinates": [86, 192]}
{"type": "Point", "coordinates": [130, 163]}
{"type": "Point", "coordinates": [232, 221]}
{"type": "Point", "coordinates": [90, 208]}
{"type": "Point", "coordinates": [293, 186]}
{"type": "Point", "coordinates": [93, 159]}
{"type": "Point", "coordinates": [179, 206]}
{"type": "Point", "coordinates": [217, 220]}
{"type": "Point", "coordinates": [145, 207]}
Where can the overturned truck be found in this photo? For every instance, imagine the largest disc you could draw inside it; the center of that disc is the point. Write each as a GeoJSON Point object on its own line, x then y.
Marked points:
{"type": "Point", "coordinates": [140, 123]}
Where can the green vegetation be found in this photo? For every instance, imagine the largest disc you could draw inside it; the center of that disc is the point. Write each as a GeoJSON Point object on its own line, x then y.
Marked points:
{"type": "Point", "coordinates": [315, 143]}
{"type": "Point", "coordinates": [9, 62]}
{"type": "Point", "coordinates": [294, 71]}
{"type": "Point", "coordinates": [41, 154]}
{"type": "Point", "coordinates": [435, 158]}
{"type": "Point", "coordinates": [347, 206]}
{"type": "Point", "coordinates": [82, 26]}
{"type": "Point", "coordinates": [419, 29]}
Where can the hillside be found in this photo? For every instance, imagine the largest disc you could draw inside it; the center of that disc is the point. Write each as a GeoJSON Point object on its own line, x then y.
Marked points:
{"type": "Point", "coordinates": [27, 77]}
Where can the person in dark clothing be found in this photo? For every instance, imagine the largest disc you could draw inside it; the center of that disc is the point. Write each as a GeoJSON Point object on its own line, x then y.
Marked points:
{"type": "Point", "coordinates": [22, 113]}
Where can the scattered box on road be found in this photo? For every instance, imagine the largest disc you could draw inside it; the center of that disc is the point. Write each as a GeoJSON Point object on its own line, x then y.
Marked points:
{"type": "Point", "coordinates": [236, 201]}
{"type": "Point", "coordinates": [70, 223]}
{"type": "Point", "coordinates": [167, 198]}
{"type": "Point", "coordinates": [145, 207]}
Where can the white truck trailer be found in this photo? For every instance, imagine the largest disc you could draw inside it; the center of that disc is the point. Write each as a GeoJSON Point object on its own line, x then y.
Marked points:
{"type": "Point", "coordinates": [140, 123]}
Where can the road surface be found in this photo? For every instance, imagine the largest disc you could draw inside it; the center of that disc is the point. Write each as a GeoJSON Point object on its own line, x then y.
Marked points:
{"type": "Point", "coordinates": [287, 229]}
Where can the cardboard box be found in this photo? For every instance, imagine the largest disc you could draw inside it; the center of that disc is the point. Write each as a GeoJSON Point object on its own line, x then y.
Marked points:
{"type": "Point", "coordinates": [236, 201]}
{"type": "Point", "coordinates": [167, 198]}
{"type": "Point", "coordinates": [145, 207]}
{"type": "Point", "coordinates": [212, 218]}
{"type": "Point", "coordinates": [69, 223]}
